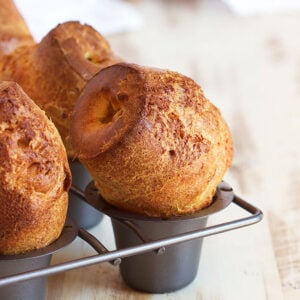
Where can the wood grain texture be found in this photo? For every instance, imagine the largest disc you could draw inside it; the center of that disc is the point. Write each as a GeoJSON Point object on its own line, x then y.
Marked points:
{"type": "Point", "coordinates": [250, 68]}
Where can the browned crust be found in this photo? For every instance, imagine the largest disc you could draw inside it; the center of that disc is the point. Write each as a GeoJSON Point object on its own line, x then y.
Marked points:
{"type": "Point", "coordinates": [13, 29]}
{"type": "Point", "coordinates": [55, 71]}
{"type": "Point", "coordinates": [34, 174]}
{"type": "Point", "coordinates": [170, 151]}
{"type": "Point", "coordinates": [124, 85]}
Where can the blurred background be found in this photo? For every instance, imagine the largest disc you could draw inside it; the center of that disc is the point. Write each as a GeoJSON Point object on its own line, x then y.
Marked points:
{"type": "Point", "coordinates": [246, 57]}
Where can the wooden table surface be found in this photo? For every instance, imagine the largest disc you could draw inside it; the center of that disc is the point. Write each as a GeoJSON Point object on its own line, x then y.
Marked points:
{"type": "Point", "coordinates": [250, 68]}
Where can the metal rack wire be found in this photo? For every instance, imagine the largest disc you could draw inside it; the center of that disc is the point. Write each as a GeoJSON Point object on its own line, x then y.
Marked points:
{"type": "Point", "coordinates": [115, 257]}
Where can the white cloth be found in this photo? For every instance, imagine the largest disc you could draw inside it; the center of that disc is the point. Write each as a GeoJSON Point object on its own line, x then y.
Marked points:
{"type": "Point", "coordinates": [106, 16]}
{"type": "Point", "coordinates": [258, 7]}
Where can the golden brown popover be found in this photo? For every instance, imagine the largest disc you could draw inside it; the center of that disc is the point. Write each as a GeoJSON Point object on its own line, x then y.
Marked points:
{"type": "Point", "coordinates": [54, 71]}
{"type": "Point", "coordinates": [151, 140]}
{"type": "Point", "coordinates": [34, 174]}
{"type": "Point", "coordinates": [13, 29]}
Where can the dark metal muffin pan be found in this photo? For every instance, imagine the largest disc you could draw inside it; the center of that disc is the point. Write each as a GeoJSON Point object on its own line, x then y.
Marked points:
{"type": "Point", "coordinates": [146, 243]}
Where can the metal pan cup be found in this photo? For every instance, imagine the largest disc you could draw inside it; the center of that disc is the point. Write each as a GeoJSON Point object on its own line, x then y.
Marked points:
{"type": "Point", "coordinates": [34, 289]}
{"type": "Point", "coordinates": [167, 269]}
{"type": "Point", "coordinates": [85, 215]}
